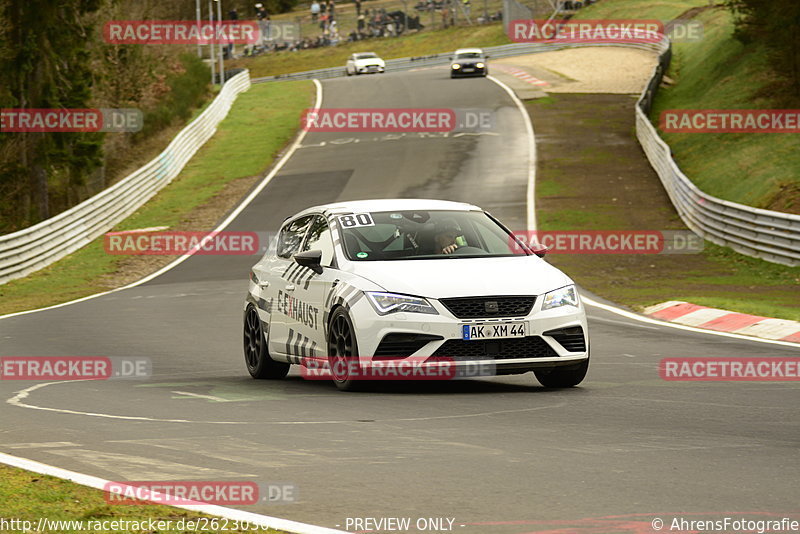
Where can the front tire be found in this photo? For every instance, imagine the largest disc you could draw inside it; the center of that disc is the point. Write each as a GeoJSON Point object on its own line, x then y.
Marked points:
{"type": "Point", "coordinates": [256, 356]}
{"type": "Point", "coordinates": [342, 351]}
{"type": "Point", "coordinates": [563, 377]}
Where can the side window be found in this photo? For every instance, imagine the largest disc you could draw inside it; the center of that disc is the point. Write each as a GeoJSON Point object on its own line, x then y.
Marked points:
{"type": "Point", "coordinates": [291, 236]}
{"type": "Point", "coordinates": [319, 238]}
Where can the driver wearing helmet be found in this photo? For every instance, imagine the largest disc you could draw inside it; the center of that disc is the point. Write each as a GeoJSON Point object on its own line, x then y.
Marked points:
{"type": "Point", "coordinates": [445, 234]}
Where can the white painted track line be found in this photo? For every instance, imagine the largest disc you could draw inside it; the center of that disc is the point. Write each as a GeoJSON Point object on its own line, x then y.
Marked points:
{"type": "Point", "coordinates": [94, 482]}
{"type": "Point", "coordinates": [210, 509]}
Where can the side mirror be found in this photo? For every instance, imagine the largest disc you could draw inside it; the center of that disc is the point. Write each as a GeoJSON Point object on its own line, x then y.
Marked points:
{"type": "Point", "coordinates": [539, 250]}
{"type": "Point", "coordinates": [311, 259]}
{"type": "Point", "coordinates": [486, 57]}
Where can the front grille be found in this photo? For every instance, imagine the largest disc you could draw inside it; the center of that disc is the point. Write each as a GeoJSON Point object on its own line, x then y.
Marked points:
{"type": "Point", "coordinates": [499, 349]}
{"type": "Point", "coordinates": [571, 338]}
{"type": "Point", "coordinates": [402, 345]}
{"type": "Point", "coordinates": [476, 307]}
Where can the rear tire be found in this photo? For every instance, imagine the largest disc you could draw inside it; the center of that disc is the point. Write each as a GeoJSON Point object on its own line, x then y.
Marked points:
{"type": "Point", "coordinates": [563, 377]}
{"type": "Point", "coordinates": [256, 356]}
{"type": "Point", "coordinates": [342, 350]}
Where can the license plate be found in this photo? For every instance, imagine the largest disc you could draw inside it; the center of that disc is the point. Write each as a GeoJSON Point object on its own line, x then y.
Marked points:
{"type": "Point", "coordinates": [471, 332]}
{"type": "Point", "coordinates": [469, 70]}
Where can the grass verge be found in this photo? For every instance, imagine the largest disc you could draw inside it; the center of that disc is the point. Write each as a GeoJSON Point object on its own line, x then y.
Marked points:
{"type": "Point", "coordinates": [29, 496]}
{"type": "Point", "coordinates": [638, 9]}
{"type": "Point", "coordinates": [719, 72]}
{"type": "Point", "coordinates": [418, 44]}
{"type": "Point", "coordinates": [262, 121]}
{"type": "Point", "coordinates": [616, 189]}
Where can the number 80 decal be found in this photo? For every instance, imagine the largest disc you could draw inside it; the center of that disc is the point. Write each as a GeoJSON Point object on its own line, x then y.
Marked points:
{"type": "Point", "coordinates": [356, 220]}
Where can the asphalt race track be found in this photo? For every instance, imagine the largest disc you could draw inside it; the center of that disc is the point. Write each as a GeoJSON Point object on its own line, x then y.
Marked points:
{"type": "Point", "coordinates": [498, 455]}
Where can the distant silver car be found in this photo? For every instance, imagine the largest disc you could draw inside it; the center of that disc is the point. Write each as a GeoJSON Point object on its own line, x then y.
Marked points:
{"type": "Point", "coordinates": [364, 63]}
{"type": "Point", "coordinates": [468, 62]}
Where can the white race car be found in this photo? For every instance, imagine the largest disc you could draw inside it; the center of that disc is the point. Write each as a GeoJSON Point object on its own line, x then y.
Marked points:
{"type": "Point", "coordinates": [389, 280]}
{"type": "Point", "coordinates": [364, 63]}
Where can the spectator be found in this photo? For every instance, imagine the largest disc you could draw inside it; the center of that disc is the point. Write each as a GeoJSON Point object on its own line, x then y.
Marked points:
{"type": "Point", "coordinates": [358, 8]}
{"type": "Point", "coordinates": [360, 24]}
{"type": "Point", "coordinates": [314, 11]}
{"type": "Point", "coordinates": [233, 16]}
{"type": "Point", "coordinates": [467, 7]}
{"type": "Point", "coordinates": [263, 24]}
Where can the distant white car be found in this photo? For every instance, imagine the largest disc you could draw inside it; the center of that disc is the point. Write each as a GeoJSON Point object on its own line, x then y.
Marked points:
{"type": "Point", "coordinates": [364, 63]}
{"type": "Point", "coordinates": [372, 280]}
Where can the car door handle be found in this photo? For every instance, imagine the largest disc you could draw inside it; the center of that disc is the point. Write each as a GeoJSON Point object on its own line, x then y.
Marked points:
{"type": "Point", "coordinates": [263, 284]}
{"type": "Point", "coordinates": [290, 287]}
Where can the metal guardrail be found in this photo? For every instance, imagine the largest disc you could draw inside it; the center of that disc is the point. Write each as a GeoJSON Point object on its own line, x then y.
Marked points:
{"type": "Point", "coordinates": [435, 60]}
{"type": "Point", "coordinates": [42, 244]}
{"type": "Point", "coordinates": [769, 235]}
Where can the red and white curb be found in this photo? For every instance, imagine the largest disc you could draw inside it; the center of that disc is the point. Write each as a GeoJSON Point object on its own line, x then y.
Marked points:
{"type": "Point", "coordinates": [689, 314]}
{"type": "Point", "coordinates": [521, 74]}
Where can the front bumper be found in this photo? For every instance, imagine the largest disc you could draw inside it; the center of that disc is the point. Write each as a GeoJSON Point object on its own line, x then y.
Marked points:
{"type": "Point", "coordinates": [441, 334]}
{"type": "Point", "coordinates": [370, 69]}
{"type": "Point", "coordinates": [466, 71]}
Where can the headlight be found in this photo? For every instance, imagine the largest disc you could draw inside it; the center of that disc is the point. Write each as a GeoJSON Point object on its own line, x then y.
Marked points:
{"type": "Point", "coordinates": [566, 296]}
{"type": "Point", "coordinates": [480, 65]}
{"type": "Point", "coordinates": [386, 303]}
{"type": "Point", "coordinates": [456, 66]}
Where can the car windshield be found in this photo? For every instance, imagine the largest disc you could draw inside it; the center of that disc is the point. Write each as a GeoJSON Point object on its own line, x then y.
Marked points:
{"type": "Point", "coordinates": [365, 56]}
{"type": "Point", "coordinates": [469, 55]}
{"type": "Point", "coordinates": [417, 235]}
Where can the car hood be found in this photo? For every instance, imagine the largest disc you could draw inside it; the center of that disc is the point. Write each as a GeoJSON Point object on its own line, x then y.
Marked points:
{"type": "Point", "coordinates": [464, 277]}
